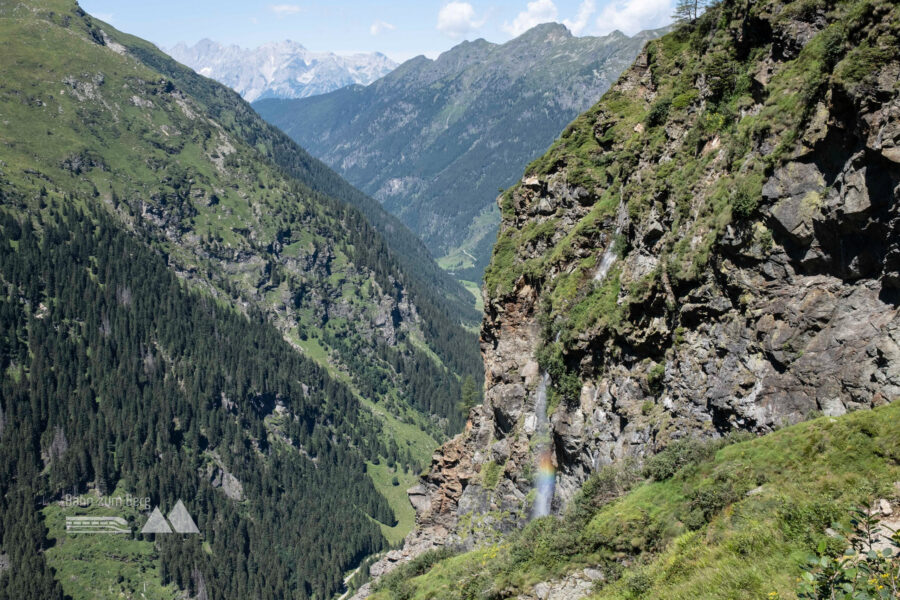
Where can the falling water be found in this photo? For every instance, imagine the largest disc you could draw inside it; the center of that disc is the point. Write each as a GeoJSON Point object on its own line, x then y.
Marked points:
{"type": "Point", "coordinates": [546, 473]}
{"type": "Point", "coordinates": [609, 257]}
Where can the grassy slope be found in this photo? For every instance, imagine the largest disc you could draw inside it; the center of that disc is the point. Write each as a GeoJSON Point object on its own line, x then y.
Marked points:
{"type": "Point", "coordinates": [382, 476]}
{"type": "Point", "coordinates": [738, 524]}
{"type": "Point", "coordinates": [408, 429]}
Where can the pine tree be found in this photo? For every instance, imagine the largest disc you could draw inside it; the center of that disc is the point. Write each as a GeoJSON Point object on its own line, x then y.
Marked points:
{"type": "Point", "coordinates": [469, 395]}
{"type": "Point", "coordinates": [687, 11]}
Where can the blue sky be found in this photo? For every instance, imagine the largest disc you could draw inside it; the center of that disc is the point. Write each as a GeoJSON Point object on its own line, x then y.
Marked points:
{"type": "Point", "coordinates": [400, 28]}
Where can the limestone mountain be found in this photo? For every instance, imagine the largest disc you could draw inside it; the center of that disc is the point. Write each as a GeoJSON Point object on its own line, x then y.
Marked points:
{"type": "Point", "coordinates": [195, 309]}
{"type": "Point", "coordinates": [280, 70]}
{"type": "Point", "coordinates": [712, 248]}
{"type": "Point", "coordinates": [435, 139]}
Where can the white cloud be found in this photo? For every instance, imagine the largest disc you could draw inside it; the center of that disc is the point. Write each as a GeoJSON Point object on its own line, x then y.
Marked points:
{"type": "Point", "coordinates": [632, 16]}
{"type": "Point", "coordinates": [380, 27]}
{"type": "Point", "coordinates": [537, 12]}
{"type": "Point", "coordinates": [285, 9]}
{"type": "Point", "coordinates": [457, 19]}
{"type": "Point", "coordinates": [585, 11]}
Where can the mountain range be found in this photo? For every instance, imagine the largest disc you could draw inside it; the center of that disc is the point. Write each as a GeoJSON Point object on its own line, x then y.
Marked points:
{"type": "Point", "coordinates": [280, 70]}
{"type": "Point", "coordinates": [434, 140]}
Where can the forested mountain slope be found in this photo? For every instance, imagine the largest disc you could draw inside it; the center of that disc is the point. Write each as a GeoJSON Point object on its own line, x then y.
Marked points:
{"type": "Point", "coordinates": [118, 377]}
{"type": "Point", "coordinates": [712, 247]}
{"type": "Point", "coordinates": [184, 164]}
{"type": "Point", "coordinates": [187, 313]}
{"type": "Point", "coordinates": [435, 139]}
{"type": "Point", "coordinates": [224, 105]}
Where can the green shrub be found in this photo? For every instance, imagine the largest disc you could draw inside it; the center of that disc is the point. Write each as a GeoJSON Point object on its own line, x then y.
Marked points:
{"type": "Point", "coordinates": [566, 383]}
{"type": "Point", "coordinates": [490, 474]}
{"type": "Point", "coordinates": [720, 75]}
{"type": "Point", "coordinates": [639, 584]}
{"type": "Point", "coordinates": [655, 377]}
{"type": "Point", "coordinates": [658, 112]}
{"type": "Point", "coordinates": [863, 571]}
{"type": "Point", "coordinates": [678, 455]}
{"type": "Point", "coordinates": [682, 101]}
{"type": "Point", "coordinates": [746, 195]}
{"type": "Point", "coordinates": [708, 500]}
{"type": "Point", "coordinates": [601, 488]}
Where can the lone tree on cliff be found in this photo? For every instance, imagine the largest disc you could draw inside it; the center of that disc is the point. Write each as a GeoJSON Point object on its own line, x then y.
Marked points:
{"type": "Point", "coordinates": [687, 11]}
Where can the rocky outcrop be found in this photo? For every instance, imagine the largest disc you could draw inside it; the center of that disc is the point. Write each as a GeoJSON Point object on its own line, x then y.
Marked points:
{"type": "Point", "coordinates": [681, 278]}
{"type": "Point", "coordinates": [219, 477]}
{"type": "Point", "coordinates": [576, 586]}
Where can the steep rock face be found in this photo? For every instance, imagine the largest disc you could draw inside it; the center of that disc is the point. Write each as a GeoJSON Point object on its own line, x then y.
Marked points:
{"type": "Point", "coordinates": [714, 246]}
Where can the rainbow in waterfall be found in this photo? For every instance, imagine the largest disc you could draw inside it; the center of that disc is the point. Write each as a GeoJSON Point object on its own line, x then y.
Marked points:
{"type": "Point", "coordinates": [545, 484]}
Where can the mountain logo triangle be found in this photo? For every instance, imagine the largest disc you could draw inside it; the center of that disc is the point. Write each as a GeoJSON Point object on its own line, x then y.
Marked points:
{"type": "Point", "coordinates": [156, 523]}
{"type": "Point", "coordinates": [180, 519]}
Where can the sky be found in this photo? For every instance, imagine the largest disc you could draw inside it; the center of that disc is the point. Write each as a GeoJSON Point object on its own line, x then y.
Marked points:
{"type": "Point", "coordinates": [400, 29]}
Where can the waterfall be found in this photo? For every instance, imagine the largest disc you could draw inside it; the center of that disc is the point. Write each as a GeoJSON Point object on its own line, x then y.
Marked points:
{"type": "Point", "coordinates": [609, 257]}
{"type": "Point", "coordinates": [545, 482]}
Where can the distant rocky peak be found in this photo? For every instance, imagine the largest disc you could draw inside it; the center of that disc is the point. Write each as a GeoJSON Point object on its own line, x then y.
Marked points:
{"type": "Point", "coordinates": [546, 32]}
{"type": "Point", "coordinates": [284, 69]}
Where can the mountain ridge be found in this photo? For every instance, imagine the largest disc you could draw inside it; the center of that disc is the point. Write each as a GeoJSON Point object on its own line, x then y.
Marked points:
{"type": "Point", "coordinates": [280, 69]}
